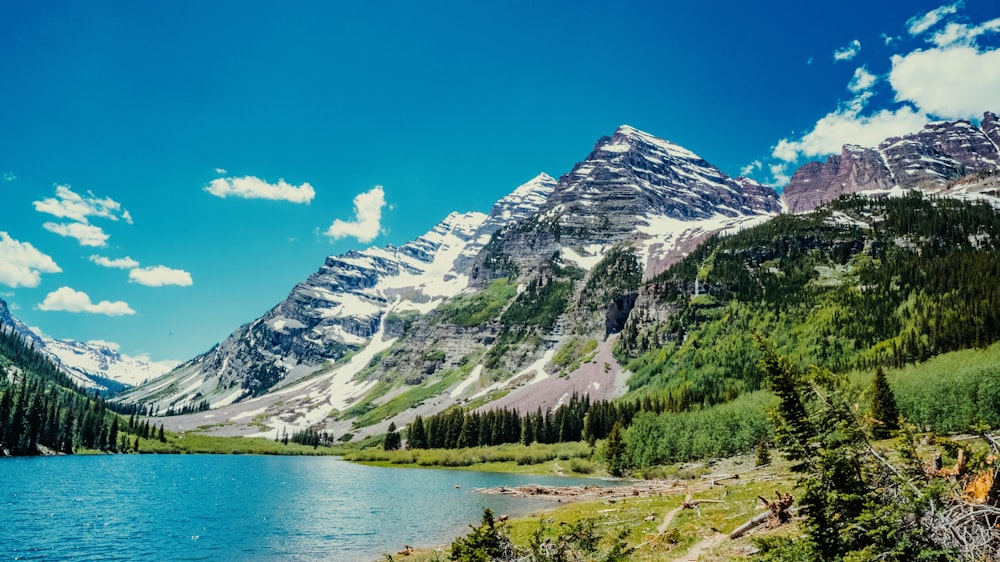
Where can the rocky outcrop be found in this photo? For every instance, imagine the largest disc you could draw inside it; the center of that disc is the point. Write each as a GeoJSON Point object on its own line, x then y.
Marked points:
{"type": "Point", "coordinates": [930, 158]}
{"type": "Point", "coordinates": [340, 307]}
{"type": "Point", "coordinates": [854, 169]}
{"type": "Point", "coordinates": [629, 181]}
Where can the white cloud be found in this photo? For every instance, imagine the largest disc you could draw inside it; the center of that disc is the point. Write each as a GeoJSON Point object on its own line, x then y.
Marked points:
{"type": "Point", "coordinates": [847, 125]}
{"type": "Point", "coordinates": [120, 263]}
{"type": "Point", "coordinates": [848, 51]}
{"type": "Point", "coordinates": [21, 265]}
{"type": "Point", "coordinates": [366, 225]}
{"type": "Point", "coordinates": [68, 204]}
{"type": "Point", "coordinates": [862, 80]}
{"type": "Point", "coordinates": [751, 167]}
{"type": "Point", "coordinates": [952, 83]}
{"type": "Point", "coordinates": [220, 171]}
{"type": "Point", "coordinates": [9, 177]}
{"type": "Point", "coordinates": [779, 173]}
{"type": "Point", "coordinates": [250, 187]}
{"type": "Point", "coordinates": [85, 234]}
{"type": "Point", "coordinates": [919, 24]}
{"type": "Point", "coordinates": [65, 299]}
{"type": "Point", "coordinates": [888, 39]}
{"type": "Point", "coordinates": [963, 34]}
{"type": "Point", "coordinates": [159, 276]}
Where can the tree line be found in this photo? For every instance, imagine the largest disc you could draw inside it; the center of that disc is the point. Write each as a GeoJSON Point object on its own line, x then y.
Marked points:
{"type": "Point", "coordinates": [42, 409]}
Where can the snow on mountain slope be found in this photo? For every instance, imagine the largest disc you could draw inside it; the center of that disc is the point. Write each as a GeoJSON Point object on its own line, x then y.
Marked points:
{"type": "Point", "coordinates": [96, 365]}
{"type": "Point", "coordinates": [340, 308]}
{"type": "Point", "coordinates": [104, 361]}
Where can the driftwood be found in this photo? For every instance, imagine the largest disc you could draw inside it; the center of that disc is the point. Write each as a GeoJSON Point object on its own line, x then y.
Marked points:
{"type": "Point", "coordinates": [776, 514]}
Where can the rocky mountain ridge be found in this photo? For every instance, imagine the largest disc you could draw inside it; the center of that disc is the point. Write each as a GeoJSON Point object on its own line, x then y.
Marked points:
{"type": "Point", "coordinates": [485, 307]}
{"type": "Point", "coordinates": [928, 159]}
{"type": "Point", "coordinates": [91, 365]}
{"type": "Point", "coordinates": [633, 190]}
{"type": "Point", "coordinates": [338, 309]}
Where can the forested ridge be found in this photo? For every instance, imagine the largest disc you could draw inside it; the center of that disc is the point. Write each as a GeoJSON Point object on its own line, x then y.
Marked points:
{"type": "Point", "coordinates": [860, 283]}
{"type": "Point", "coordinates": [43, 411]}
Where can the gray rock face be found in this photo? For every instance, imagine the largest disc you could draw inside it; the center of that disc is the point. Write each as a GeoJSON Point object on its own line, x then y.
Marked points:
{"type": "Point", "coordinates": [932, 157]}
{"type": "Point", "coordinates": [342, 305]}
{"type": "Point", "coordinates": [632, 174]}
{"type": "Point", "coordinates": [991, 128]}
{"type": "Point", "coordinates": [629, 179]}
{"type": "Point", "coordinates": [855, 168]}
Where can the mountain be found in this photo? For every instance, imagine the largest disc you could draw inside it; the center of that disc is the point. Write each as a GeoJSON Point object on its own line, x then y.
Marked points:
{"type": "Point", "coordinates": [929, 159]}
{"type": "Point", "coordinates": [93, 365]}
{"type": "Point", "coordinates": [858, 283]}
{"type": "Point", "coordinates": [102, 364]}
{"type": "Point", "coordinates": [553, 291]}
{"type": "Point", "coordinates": [338, 309]}
{"type": "Point", "coordinates": [474, 309]}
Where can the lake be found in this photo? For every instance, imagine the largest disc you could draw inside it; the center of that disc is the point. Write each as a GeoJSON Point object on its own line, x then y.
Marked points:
{"type": "Point", "coordinates": [234, 507]}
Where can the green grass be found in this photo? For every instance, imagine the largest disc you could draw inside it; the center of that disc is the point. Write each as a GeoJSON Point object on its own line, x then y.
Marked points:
{"type": "Point", "coordinates": [195, 443]}
{"type": "Point", "coordinates": [474, 310]}
{"type": "Point", "coordinates": [537, 458]}
{"type": "Point", "coordinates": [373, 414]}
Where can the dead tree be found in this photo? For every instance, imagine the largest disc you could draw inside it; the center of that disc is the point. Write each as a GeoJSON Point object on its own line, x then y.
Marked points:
{"type": "Point", "coordinates": [776, 514]}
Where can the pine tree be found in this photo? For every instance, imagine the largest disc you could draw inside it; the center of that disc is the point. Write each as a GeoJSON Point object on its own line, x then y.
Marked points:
{"type": "Point", "coordinates": [416, 434]}
{"type": "Point", "coordinates": [392, 439]}
{"type": "Point", "coordinates": [885, 412]}
{"type": "Point", "coordinates": [615, 451]}
{"type": "Point", "coordinates": [763, 453]}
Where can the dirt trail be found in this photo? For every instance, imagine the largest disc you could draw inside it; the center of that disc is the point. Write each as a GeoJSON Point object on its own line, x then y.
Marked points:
{"type": "Point", "coordinates": [699, 548]}
{"type": "Point", "coordinates": [668, 518]}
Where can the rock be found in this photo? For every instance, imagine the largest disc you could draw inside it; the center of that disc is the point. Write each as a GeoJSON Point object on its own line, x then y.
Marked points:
{"type": "Point", "coordinates": [929, 158]}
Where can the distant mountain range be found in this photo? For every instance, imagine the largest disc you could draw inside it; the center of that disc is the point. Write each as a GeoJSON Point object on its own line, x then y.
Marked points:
{"type": "Point", "coordinates": [93, 365]}
{"type": "Point", "coordinates": [483, 308]}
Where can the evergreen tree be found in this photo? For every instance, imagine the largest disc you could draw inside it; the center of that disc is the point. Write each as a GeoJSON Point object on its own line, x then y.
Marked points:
{"type": "Point", "coordinates": [416, 434]}
{"type": "Point", "coordinates": [392, 439]}
{"type": "Point", "coordinates": [615, 452]}
{"type": "Point", "coordinates": [884, 411]}
{"type": "Point", "coordinates": [763, 453]}
{"type": "Point", "coordinates": [113, 434]}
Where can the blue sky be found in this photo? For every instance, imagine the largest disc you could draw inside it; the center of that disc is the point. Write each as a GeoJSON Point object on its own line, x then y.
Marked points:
{"type": "Point", "coordinates": [168, 171]}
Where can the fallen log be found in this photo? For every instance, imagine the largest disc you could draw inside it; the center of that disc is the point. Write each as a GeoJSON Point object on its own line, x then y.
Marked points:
{"type": "Point", "coordinates": [776, 514]}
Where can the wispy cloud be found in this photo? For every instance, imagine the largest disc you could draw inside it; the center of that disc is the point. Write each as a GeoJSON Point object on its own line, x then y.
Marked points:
{"type": "Point", "coordinates": [21, 264]}
{"type": "Point", "coordinates": [85, 234]}
{"type": "Point", "coordinates": [862, 80]}
{"type": "Point", "coordinates": [848, 51]}
{"type": "Point", "coordinates": [751, 168]}
{"type": "Point", "coordinates": [159, 276]}
{"type": "Point", "coordinates": [65, 299]}
{"type": "Point", "coordinates": [250, 187]}
{"type": "Point", "coordinates": [220, 171]}
{"type": "Point", "coordinates": [367, 223]}
{"type": "Point", "coordinates": [8, 177]}
{"type": "Point", "coordinates": [119, 263]}
{"type": "Point", "coordinates": [964, 34]}
{"type": "Point", "coordinates": [921, 23]}
{"type": "Point", "coordinates": [68, 204]}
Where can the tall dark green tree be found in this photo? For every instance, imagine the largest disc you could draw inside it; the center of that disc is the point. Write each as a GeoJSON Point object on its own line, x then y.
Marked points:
{"type": "Point", "coordinates": [392, 439]}
{"type": "Point", "coordinates": [884, 412]}
{"type": "Point", "coordinates": [416, 437]}
{"type": "Point", "coordinates": [615, 451]}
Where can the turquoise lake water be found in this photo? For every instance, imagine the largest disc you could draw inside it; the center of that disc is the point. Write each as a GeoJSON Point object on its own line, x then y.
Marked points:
{"type": "Point", "coordinates": [203, 507]}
